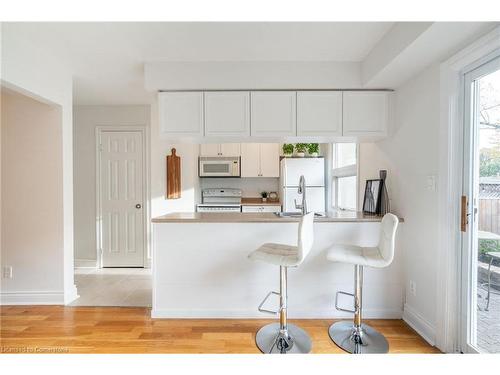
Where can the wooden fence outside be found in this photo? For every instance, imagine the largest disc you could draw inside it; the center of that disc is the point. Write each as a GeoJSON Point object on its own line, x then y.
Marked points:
{"type": "Point", "coordinates": [489, 215]}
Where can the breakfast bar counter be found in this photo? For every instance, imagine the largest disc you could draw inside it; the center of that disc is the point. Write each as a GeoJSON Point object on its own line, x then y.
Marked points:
{"type": "Point", "coordinates": [201, 267]}
{"type": "Point", "coordinates": [239, 217]}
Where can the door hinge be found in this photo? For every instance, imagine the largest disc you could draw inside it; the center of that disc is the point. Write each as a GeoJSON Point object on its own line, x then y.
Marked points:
{"type": "Point", "coordinates": [100, 147]}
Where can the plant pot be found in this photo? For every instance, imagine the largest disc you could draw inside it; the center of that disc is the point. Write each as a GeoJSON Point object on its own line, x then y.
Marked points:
{"type": "Point", "coordinates": [264, 199]}
{"type": "Point", "coordinates": [301, 154]}
{"type": "Point", "coordinates": [287, 155]}
{"type": "Point", "coordinates": [314, 155]}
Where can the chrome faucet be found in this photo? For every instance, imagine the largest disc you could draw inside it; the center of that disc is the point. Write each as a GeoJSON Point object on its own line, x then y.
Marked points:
{"type": "Point", "coordinates": [302, 190]}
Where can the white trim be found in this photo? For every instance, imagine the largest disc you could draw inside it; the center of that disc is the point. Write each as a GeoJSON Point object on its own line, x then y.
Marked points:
{"type": "Point", "coordinates": [255, 314]}
{"type": "Point", "coordinates": [32, 298]}
{"type": "Point", "coordinates": [85, 263]}
{"type": "Point", "coordinates": [71, 295]}
{"type": "Point", "coordinates": [419, 324]}
{"type": "Point", "coordinates": [146, 193]}
{"type": "Point", "coordinates": [450, 186]}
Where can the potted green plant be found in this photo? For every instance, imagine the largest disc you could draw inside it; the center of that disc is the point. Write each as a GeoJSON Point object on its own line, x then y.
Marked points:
{"type": "Point", "coordinates": [301, 149]}
{"type": "Point", "coordinates": [287, 149]}
{"type": "Point", "coordinates": [264, 196]}
{"type": "Point", "coordinates": [313, 149]}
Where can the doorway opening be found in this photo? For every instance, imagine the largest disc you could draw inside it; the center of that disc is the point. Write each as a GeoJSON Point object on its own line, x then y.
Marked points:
{"type": "Point", "coordinates": [119, 278]}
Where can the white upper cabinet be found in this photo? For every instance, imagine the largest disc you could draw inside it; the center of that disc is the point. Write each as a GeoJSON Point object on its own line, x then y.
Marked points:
{"type": "Point", "coordinates": [250, 160]}
{"type": "Point", "coordinates": [273, 113]}
{"type": "Point", "coordinates": [365, 113]}
{"type": "Point", "coordinates": [220, 149]}
{"type": "Point", "coordinates": [230, 149]}
{"type": "Point", "coordinates": [210, 149]}
{"type": "Point", "coordinates": [319, 113]}
{"type": "Point", "coordinates": [181, 113]}
{"type": "Point", "coordinates": [227, 113]}
{"type": "Point", "coordinates": [260, 160]}
{"type": "Point", "coordinates": [269, 160]}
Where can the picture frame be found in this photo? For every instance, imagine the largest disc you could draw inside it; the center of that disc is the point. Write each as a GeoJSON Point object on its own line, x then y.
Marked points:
{"type": "Point", "coordinates": [373, 196]}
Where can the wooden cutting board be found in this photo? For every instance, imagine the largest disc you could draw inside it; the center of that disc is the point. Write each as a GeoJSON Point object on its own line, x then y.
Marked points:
{"type": "Point", "coordinates": [173, 176]}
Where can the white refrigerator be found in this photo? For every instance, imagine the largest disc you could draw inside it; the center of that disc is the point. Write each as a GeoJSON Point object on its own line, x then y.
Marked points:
{"type": "Point", "coordinates": [313, 170]}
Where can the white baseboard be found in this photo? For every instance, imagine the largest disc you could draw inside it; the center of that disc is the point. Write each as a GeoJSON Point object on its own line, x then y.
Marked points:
{"type": "Point", "coordinates": [71, 295]}
{"type": "Point", "coordinates": [85, 263]}
{"type": "Point", "coordinates": [419, 324]}
{"type": "Point", "coordinates": [32, 298]}
{"type": "Point", "coordinates": [255, 314]}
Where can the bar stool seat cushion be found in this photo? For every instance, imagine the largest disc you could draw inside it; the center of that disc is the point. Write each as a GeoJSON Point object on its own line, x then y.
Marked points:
{"type": "Point", "coordinates": [363, 256]}
{"type": "Point", "coordinates": [277, 254]}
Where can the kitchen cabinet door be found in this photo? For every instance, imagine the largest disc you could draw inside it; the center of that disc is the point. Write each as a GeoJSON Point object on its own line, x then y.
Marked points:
{"type": "Point", "coordinates": [250, 160]}
{"type": "Point", "coordinates": [227, 113]}
{"type": "Point", "coordinates": [230, 149]}
{"type": "Point", "coordinates": [319, 113]}
{"type": "Point", "coordinates": [181, 113]}
{"type": "Point", "coordinates": [365, 113]}
{"type": "Point", "coordinates": [260, 209]}
{"type": "Point", "coordinates": [269, 160]}
{"type": "Point", "coordinates": [210, 149]}
{"type": "Point", "coordinates": [273, 113]}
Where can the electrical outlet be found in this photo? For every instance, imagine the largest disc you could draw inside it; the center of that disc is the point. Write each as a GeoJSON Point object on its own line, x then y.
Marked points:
{"type": "Point", "coordinates": [413, 288]}
{"type": "Point", "coordinates": [7, 272]}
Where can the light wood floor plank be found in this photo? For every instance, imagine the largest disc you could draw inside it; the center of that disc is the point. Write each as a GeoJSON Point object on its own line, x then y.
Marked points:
{"type": "Point", "coordinates": [131, 330]}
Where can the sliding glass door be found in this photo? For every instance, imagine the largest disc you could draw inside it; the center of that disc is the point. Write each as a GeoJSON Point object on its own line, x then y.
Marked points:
{"type": "Point", "coordinates": [480, 221]}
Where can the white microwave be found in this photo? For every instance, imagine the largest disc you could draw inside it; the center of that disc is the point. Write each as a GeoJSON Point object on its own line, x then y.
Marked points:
{"type": "Point", "coordinates": [219, 167]}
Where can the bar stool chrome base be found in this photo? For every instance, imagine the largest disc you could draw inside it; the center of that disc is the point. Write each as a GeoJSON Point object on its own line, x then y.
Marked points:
{"type": "Point", "coordinates": [358, 341]}
{"type": "Point", "coordinates": [271, 340]}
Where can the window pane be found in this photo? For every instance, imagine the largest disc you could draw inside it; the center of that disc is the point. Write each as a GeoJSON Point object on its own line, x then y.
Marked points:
{"type": "Point", "coordinates": [347, 192]}
{"type": "Point", "coordinates": [346, 154]}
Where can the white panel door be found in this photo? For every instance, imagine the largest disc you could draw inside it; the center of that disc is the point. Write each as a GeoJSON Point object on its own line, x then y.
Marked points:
{"type": "Point", "coordinates": [315, 199]}
{"type": "Point", "coordinates": [319, 113]}
{"type": "Point", "coordinates": [250, 160]}
{"type": "Point", "coordinates": [269, 160]}
{"type": "Point", "coordinates": [230, 149]}
{"type": "Point", "coordinates": [181, 113]}
{"type": "Point", "coordinates": [365, 113]}
{"type": "Point", "coordinates": [227, 113]}
{"type": "Point", "coordinates": [273, 113]}
{"type": "Point", "coordinates": [209, 149]}
{"type": "Point", "coordinates": [121, 199]}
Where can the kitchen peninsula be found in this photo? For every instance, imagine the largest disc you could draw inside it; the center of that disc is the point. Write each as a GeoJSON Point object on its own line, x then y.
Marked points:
{"type": "Point", "coordinates": [201, 269]}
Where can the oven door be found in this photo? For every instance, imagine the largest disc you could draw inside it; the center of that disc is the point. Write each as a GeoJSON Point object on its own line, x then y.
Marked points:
{"type": "Point", "coordinates": [219, 167]}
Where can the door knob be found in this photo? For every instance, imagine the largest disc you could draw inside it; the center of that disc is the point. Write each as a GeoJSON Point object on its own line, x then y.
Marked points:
{"type": "Point", "coordinates": [138, 206]}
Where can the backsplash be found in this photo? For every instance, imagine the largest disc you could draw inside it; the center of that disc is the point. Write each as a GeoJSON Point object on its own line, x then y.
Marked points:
{"type": "Point", "coordinates": [251, 187]}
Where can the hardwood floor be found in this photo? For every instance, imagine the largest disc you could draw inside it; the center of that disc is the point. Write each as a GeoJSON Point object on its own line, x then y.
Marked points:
{"type": "Point", "coordinates": [60, 329]}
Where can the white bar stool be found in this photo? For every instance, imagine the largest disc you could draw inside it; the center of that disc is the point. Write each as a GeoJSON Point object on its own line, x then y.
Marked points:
{"type": "Point", "coordinates": [283, 337]}
{"type": "Point", "coordinates": [357, 337]}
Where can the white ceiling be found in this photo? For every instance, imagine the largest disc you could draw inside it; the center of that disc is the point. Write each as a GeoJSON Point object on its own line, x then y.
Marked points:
{"type": "Point", "coordinates": [108, 58]}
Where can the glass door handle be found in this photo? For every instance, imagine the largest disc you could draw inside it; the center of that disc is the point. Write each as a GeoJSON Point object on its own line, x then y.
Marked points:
{"type": "Point", "coordinates": [464, 216]}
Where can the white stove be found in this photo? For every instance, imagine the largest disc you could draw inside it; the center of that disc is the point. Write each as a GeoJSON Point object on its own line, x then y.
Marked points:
{"type": "Point", "coordinates": [220, 200]}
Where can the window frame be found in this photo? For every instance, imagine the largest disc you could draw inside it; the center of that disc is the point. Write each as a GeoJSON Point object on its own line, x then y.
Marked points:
{"type": "Point", "coordinates": [342, 172]}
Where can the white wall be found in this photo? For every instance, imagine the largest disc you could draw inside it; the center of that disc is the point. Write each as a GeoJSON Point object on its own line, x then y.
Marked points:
{"type": "Point", "coordinates": [86, 119]}
{"type": "Point", "coordinates": [251, 187]}
{"type": "Point", "coordinates": [29, 69]}
{"type": "Point", "coordinates": [410, 155]}
{"type": "Point", "coordinates": [250, 75]}
{"type": "Point", "coordinates": [32, 200]}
